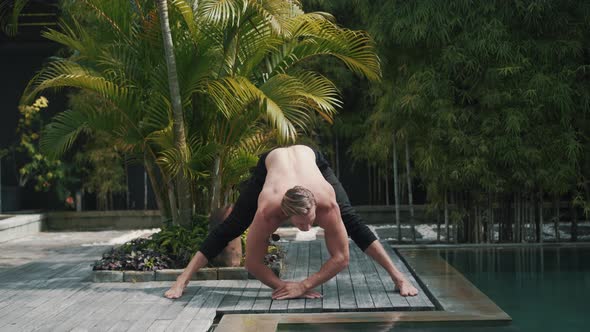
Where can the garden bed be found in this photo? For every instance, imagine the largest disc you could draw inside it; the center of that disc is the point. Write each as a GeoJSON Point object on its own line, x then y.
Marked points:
{"type": "Point", "coordinates": [164, 255]}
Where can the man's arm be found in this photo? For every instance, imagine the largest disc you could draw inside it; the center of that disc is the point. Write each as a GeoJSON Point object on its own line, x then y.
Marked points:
{"type": "Point", "coordinates": [337, 245]}
{"type": "Point", "coordinates": [256, 248]}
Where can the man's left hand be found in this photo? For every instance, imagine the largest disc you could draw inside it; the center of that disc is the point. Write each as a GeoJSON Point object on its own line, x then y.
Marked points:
{"type": "Point", "coordinates": [293, 290]}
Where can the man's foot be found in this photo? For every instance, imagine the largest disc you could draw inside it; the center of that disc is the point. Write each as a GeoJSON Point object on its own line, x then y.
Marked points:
{"type": "Point", "coordinates": [406, 289]}
{"type": "Point", "coordinates": [176, 289]}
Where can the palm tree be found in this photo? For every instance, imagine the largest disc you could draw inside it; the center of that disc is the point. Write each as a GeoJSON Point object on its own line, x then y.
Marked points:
{"type": "Point", "coordinates": [241, 75]}
{"type": "Point", "coordinates": [181, 183]}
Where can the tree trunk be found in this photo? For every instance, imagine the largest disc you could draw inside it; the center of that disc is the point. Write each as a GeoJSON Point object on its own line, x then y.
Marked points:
{"type": "Point", "coordinates": [159, 193]}
{"type": "Point", "coordinates": [540, 230]}
{"type": "Point", "coordinates": [574, 230]}
{"type": "Point", "coordinates": [396, 190]}
{"type": "Point", "coordinates": [370, 183]}
{"type": "Point", "coordinates": [182, 183]}
{"type": "Point", "coordinates": [386, 185]}
{"type": "Point", "coordinates": [127, 192]}
{"type": "Point", "coordinates": [337, 158]}
{"type": "Point", "coordinates": [533, 213]}
{"type": "Point", "coordinates": [173, 203]}
{"type": "Point", "coordinates": [216, 185]}
{"type": "Point", "coordinates": [410, 199]}
{"type": "Point", "coordinates": [446, 205]}
{"type": "Point", "coordinates": [378, 178]}
{"type": "Point", "coordinates": [516, 228]}
{"type": "Point", "coordinates": [145, 189]}
{"type": "Point", "coordinates": [556, 219]}
{"type": "Point", "coordinates": [437, 225]}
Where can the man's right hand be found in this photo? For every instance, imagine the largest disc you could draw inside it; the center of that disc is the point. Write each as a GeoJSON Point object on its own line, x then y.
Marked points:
{"type": "Point", "coordinates": [293, 290]}
{"type": "Point", "coordinates": [176, 289]}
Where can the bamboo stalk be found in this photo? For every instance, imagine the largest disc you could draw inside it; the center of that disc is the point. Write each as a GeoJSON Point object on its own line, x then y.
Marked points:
{"type": "Point", "coordinates": [447, 237]}
{"type": "Point", "coordinates": [396, 189]}
{"type": "Point", "coordinates": [410, 200]}
{"type": "Point", "coordinates": [541, 216]}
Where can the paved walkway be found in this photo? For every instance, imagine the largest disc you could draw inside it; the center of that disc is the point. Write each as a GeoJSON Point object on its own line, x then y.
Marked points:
{"type": "Point", "coordinates": [53, 293]}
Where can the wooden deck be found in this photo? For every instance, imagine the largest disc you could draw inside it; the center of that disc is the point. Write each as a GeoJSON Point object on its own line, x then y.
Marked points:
{"type": "Point", "coordinates": [55, 294]}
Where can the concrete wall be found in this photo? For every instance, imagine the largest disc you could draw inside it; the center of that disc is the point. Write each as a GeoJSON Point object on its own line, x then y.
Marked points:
{"type": "Point", "coordinates": [102, 220]}
{"type": "Point", "coordinates": [15, 227]}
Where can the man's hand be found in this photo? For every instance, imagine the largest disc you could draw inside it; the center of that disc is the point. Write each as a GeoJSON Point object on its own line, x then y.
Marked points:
{"type": "Point", "coordinates": [293, 290]}
{"type": "Point", "coordinates": [406, 288]}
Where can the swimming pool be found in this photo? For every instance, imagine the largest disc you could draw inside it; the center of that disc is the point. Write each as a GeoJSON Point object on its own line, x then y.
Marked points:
{"type": "Point", "coordinates": [542, 289]}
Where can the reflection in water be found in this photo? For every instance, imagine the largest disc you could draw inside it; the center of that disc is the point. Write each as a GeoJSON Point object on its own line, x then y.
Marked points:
{"type": "Point", "coordinates": [397, 327]}
{"type": "Point", "coordinates": [541, 289]}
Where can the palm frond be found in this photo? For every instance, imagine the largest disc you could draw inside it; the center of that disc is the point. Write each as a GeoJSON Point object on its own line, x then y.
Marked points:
{"type": "Point", "coordinates": [59, 135]}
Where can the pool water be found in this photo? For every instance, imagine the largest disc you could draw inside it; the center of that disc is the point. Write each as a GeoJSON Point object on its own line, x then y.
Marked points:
{"type": "Point", "coordinates": [399, 327]}
{"type": "Point", "coordinates": [542, 289]}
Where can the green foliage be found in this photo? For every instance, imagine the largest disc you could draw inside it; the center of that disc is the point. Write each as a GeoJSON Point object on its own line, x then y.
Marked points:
{"type": "Point", "coordinates": [243, 82]}
{"type": "Point", "coordinates": [97, 162]}
{"type": "Point", "coordinates": [179, 243]}
{"type": "Point", "coordinates": [46, 173]}
{"type": "Point", "coordinates": [493, 96]}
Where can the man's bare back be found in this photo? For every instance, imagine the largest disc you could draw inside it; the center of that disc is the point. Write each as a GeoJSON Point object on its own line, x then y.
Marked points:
{"type": "Point", "coordinates": [293, 166]}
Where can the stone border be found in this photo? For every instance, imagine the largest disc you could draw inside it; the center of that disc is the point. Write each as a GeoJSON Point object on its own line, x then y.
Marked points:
{"type": "Point", "coordinates": [213, 273]}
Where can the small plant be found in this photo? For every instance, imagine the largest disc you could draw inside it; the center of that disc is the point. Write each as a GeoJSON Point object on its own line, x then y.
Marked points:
{"type": "Point", "coordinates": [171, 248]}
{"type": "Point", "coordinates": [133, 255]}
{"type": "Point", "coordinates": [44, 171]}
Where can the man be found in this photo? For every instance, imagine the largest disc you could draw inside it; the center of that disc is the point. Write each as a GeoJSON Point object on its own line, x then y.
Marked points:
{"type": "Point", "coordinates": [293, 182]}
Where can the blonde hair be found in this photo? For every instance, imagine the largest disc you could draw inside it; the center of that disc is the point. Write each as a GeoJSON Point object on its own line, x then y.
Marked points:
{"type": "Point", "coordinates": [297, 201]}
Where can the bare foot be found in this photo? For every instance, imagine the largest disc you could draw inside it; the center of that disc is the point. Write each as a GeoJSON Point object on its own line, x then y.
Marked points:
{"type": "Point", "coordinates": [406, 289]}
{"type": "Point", "coordinates": [176, 289]}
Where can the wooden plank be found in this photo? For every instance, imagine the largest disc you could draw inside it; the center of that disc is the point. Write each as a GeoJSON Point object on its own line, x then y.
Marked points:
{"type": "Point", "coordinates": [364, 301]}
{"type": "Point", "coordinates": [330, 299]}
{"type": "Point", "coordinates": [263, 300]}
{"type": "Point", "coordinates": [290, 261]}
{"type": "Point", "coordinates": [20, 299]}
{"type": "Point", "coordinates": [70, 308]}
{"type": "Point", "coordinates": [345, 290]}
{"type": "Point", "coordinates": [199, 325]}
{"type": "Point", "coordinates": [120, 326]}
{"type": "Point", "coordinates": [420, 301]}
{"type": "Point", "coordinates": [204, 318]}
{"type": "Point", "coordinates": [117, 318]}
{"type": "Point", "coordinates": [58, 303]}
{"type": "Point", "coordinates": [301, 271]}
{"type": "Point", "coordinates": [248, 297]}
{"type": "Point", "coordinates": [184, 317]}
{"type": "Point", "coordinates": [102, 314]}
{"type": "Point", "coordinates": [18, 294]}
{"type": "Point", "coordinates": [134, 311]}
{"type": "Point", "coordinates": [398, 302]}
{"type": "Point", "coordinates": [233, 294]}
{"type": "Point", "coordinates": [154, 309]}
{"type": "Point", "coordinates": [176, 305]}
{"type": "Point", "coordinates": [159, 325]}
{"type": "Point", "coordinates": [376, 288]}
{"type": "Point", "coordinates": [315, 263]}
{"type": "Point", "coordinates": [138, 308]}
{"type": "Point", "coordinates": [30, 300]}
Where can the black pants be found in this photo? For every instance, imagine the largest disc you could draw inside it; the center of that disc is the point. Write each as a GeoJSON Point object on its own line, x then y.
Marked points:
{"type": "Point", "coordinates": [245, 208]}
